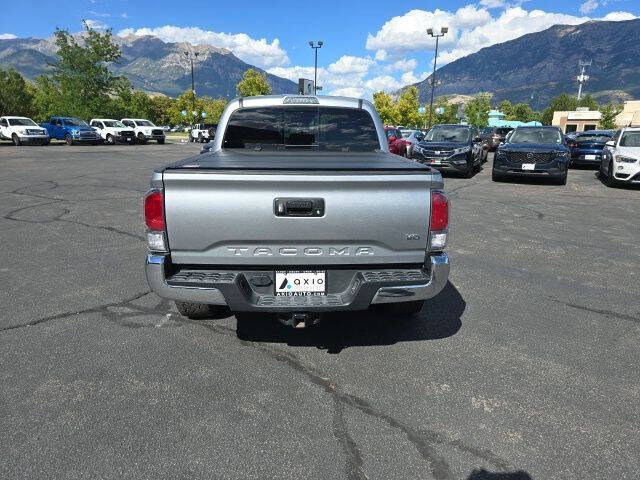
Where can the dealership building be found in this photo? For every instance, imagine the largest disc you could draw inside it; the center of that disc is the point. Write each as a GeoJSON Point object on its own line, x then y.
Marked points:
{"type": "Point", "coordinates": [577, 121]}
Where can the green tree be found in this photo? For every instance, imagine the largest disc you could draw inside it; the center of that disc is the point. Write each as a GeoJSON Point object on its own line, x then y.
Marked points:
{"type": "Point", "coordinates": [213, 107]}
{"type": "Point", "coordinates": [589, 102]}
{"type": "Point", "coordinates": [16, 96]}
{"type": "Point", "coordinates": [561, 103]}
{"type": "Point", "coordinates": [253, 83]}
{"type": "Point", "coordinates": [46, 99]}
{"type": "Point", "coordinates": [477, 110]}
{"type": "Point", "coordinates": [161, 109]}
{"type": "Point", "coordinates": [609, 114]}
{"type": "Point", "coordinates": [84, 82]}
{"type": "Point", "coordinates": [385, 107]}
{"type": "Point", "coordinates": [506, 107]}
{"type": "Point", "coordinates": [521, 112]}
{"type": "Point", "coordinates": [449, 113]}
{"type": "Point", "coordinates": [407, 107]}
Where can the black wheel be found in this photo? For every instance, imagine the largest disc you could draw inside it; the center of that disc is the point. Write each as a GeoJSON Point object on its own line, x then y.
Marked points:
{"type": "Point", "coordinates": [161, 141]}
{"type": "Point", "coordinates": [611, 180]}
{"type": "Point", "coordinates": [200, 138]}
{"type": "Point", "coordinates": [45, 142]}
{"type": "Point", "coordinates": [69, 139]}
{"type": "Point", "coordinates": [468, 173]}
{"type": "Point", "coordinates": [405, 308]}
{"type": "Point", "coordinates": [110, 139]}
{"type": "Point", "coordinates": [563, 179]}
{"type": "Point", "coordinates": [16, 140]}
{"type": "Point", "coordinates": [496, 177]}
{"type": "Point", "coordinates": [199, 311]}
{"type": "Point", "coordinates": [190, 139]}
{"type": "Point", "coordinates": [141, 139]}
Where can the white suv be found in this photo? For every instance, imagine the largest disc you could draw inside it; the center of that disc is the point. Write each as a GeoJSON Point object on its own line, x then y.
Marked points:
{"type": "Point", "coordinates": [22, 130]}
{"type": "Point", "coordinates": [621, 158]}
{"type": "Point", "coordinates": [113, 131]}
{"type": "Point", "coordinates": [145, 130]}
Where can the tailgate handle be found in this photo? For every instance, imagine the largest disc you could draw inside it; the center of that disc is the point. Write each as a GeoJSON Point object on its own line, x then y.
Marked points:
{"type": "Point", "coordinates": [299, 207]}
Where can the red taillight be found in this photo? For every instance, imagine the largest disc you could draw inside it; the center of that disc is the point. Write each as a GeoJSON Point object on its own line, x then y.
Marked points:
{"type": "Point", "coordinates": [408, 142]}
{"type": "Point", "coordinates": [154, 210]}
{"type": "Point", "coordinates": [439, 211]}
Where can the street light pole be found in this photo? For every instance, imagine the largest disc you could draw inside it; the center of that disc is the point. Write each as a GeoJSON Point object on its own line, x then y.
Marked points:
{"type": "Point", "coordinates": [315, 69]}
{"type": "Point", "coordinates": [443, 30]}
{"type": "Point", "coordinates": [193, 84]}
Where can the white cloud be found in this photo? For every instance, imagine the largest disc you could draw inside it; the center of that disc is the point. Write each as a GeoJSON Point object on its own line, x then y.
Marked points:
{"type": "Point", "coordinates": [492, 3]}
{"type": "Point", "coordinates": [409, 78]}
{"type": "Point", "coordinates": [257, 52]}
{"type": "Point", "coordinates": [384, 82]}
{"type": "Point", "coordinates": [619, 16]}
{"type": "Point", "coordinates": [7, 36]}
{"type": "Point", "coordinates": [348, 64]}
{"type": "Point", "coordinates": [402, 65]}
{"type": "Point", "coordinates": [356, 92]}
{"type": "Point", "coordinates": [124, 15]}
{"type": "Point", "coordinates": [93, 13]}
{"type": "Point", "coordinates": [96, 24]}
{"type": "Point", "coordinates": [588, 6]}
{"type": "Point", "coordinates": [381, 55]}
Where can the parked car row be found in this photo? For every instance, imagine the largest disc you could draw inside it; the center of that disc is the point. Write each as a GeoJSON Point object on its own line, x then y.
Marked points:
{"type": "Point", "coordinates": [23, 130]}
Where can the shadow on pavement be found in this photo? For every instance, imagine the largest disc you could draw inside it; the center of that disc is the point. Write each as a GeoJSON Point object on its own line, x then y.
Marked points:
{"type": "Point", "coordinates": [440, 318]}
{"type": "Point", "coordinates": [485, 475]}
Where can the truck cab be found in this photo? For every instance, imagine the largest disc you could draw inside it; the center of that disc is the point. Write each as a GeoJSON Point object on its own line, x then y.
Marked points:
{"type": "Point", "coordinates": [71, 130]}
{"type": "Point", "coordinates": [21, 130]}
{"type": "Point", "coordinates": [144, 130]}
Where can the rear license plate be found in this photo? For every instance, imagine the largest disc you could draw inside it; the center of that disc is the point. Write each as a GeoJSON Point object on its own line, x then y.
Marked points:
{"type": "Point", "coordinates": [301, 283]}
{"type": "Point", "coordinates": [528, 166]}
{"type": "Point", "coordinates": [589, 157]}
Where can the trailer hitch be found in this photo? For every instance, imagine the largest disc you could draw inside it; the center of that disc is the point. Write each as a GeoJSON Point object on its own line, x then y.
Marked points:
{"type": "Point", "coordinates": [299, 319]}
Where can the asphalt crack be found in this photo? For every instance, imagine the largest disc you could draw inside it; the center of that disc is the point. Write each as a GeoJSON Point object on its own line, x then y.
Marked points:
{"type": "Point", "coordinates": [95, 309]}
{"type": "Point", "coordinates": [424, 441]}
{"type": "Point", "coordinates": [599, 311]}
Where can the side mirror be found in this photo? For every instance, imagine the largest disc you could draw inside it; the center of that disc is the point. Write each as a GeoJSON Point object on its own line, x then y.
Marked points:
{"type": "Point", "coordinates": [610, 143]}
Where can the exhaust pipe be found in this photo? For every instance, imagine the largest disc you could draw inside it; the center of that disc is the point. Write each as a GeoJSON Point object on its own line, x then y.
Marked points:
{"type": "Point", "coordinates": [299, 319]}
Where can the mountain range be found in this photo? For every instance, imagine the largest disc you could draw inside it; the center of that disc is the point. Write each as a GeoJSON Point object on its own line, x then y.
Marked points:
{"type": "Point", "coordinates": [538, 66]}
{"type": "Point", "coordinates": [150, 64]}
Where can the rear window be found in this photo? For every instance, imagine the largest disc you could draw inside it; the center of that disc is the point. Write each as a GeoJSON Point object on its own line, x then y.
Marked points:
{"type": "Point", "coordinates": [306, 128]}
{"type": "Point", "coordinates": [503, 131]}
{"type": "Point", "coordinates": [592, 138]}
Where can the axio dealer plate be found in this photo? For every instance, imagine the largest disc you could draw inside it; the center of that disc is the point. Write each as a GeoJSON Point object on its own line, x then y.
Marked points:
{"type": "Point", "coordinates": [301, 283]}
{"type": "Point", "coordinates": [528, 166]}
{"type": "Point", "coordinates": [589, 157]}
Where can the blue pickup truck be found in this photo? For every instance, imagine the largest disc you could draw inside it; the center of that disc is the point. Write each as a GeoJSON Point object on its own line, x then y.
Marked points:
{"type": "Point", "coordinates": [72, 130]}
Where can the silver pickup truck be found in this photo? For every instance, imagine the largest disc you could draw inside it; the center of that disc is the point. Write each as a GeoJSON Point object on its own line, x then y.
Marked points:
{"type": "Point", "coordinates": [298, 209]}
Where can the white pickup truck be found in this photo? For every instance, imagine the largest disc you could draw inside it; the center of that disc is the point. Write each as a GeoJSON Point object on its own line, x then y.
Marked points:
{"type": "Point", "coordinates": [299, 209]}
{"type": "Point", "coordinates": [113, 131]}
{"type": "Point", "coordinates": [202, 132]}
{"type": "Point", "coordinates": [145, 130]}
{"type": "Point", "coordinates": [21, 130]}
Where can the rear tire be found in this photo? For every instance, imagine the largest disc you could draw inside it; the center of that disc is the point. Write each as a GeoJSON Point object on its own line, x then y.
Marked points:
{"type": "Point", "coordinates": [611, 180]}
{"type": "Point", "coordinates": [198, 311]}
{"type": "Point", "coordinates": [200, 138]}
{"type": "Point", "coordinates": [406, 309]}
{"type": "Point", "coordinates": [16, 140]}
{"type": "Point", "coordinates": [161, 141]}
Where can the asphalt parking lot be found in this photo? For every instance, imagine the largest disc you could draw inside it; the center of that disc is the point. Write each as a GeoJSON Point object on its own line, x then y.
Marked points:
{"type": "Point", "coordinates": [525, 366]}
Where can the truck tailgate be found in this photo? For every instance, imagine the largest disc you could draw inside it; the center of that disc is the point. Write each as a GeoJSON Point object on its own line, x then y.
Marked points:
{"type": "Point", "coordinates": [229, 218]}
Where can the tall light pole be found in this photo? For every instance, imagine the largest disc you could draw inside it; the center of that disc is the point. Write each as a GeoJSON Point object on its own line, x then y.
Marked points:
{"type": "Point", "coordinates": [190, 56]}
{"type": "Point", "coordinates": [443, 30]}
{"type": "Point", "coordinates": [315, 70]}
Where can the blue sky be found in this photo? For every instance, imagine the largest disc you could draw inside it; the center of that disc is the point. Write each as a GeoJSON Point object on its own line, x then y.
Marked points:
{"type": "Point", "coordinates": [368, 45]}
